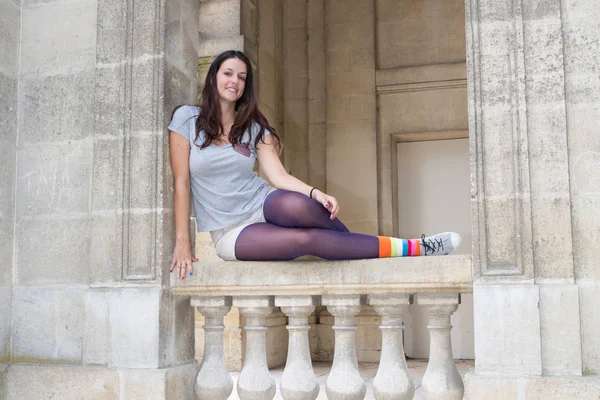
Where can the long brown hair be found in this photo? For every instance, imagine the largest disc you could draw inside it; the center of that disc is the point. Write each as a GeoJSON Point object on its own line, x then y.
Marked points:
{"type": "Point", "coordinates": [246, 108]}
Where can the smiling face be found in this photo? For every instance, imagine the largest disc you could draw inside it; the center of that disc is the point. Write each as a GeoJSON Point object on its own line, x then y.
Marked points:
{"type": "Point", "coordinates": [231, 79]}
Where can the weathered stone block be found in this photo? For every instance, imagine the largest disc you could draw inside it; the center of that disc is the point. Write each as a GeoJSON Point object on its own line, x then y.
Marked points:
{"type": "Point", "coordinates": [530, 387]}
{"type": "Point", "coordinates": [145, 105]}
{"type": "Point", "coordinates": [140, 243]}
{"type": "Point", "coordinates": [5, 324]}
{"type": "Point", "coordinates": [162, 384]}
{"type": "Point", "coordinates": [109, 107]}
{"type": "Point", "coordinates": [29, 382]}
{"type": "Point", "coordinates": [540, 9]}
{"type": "Point", "coordinates": [6, 248]}
{"type": "Point", "coordinates": [57, 108]}
{"type": "Point", "coordinates": [8, 108]}
{"type": "Point", "coordinates": [106, 250]}
{"type": "Point", "coordinates": [52, 250]}
{"type": "Point", "coordinates": [107, 175]}
{"type": "Point", "coordinates": [340, 11]}
{"type": "Point", "coordinates": [176, 329]}
{"type": "Point", "coordinates": [586, 219]}
{"type": "Point", "coordinates": [10, 18]}
{"type": "Point", "coordinates": [219, 19]}
{"type": "Point", "coordinates": [492, 11]}
{"type": "Point", "coordinates": [96, 339]}
{"type": "Point", "coordinates": [544, 61]}
{"type": "Point", "coordinates": [213, 47]}
{"type": "Point", "coordinates": [7, 177]}
{"type": "Point", "coordinates": [560, 330]}
{"type": "Point", "coordinates": [3, 381]}
{"type": "Point", "coordinates": [315, 14]}
{"type": "Point", "coordinates": [54, 179]}
{"type": "Point", "coordinates": [507, 330]}
{"type": "Point", "coordinates": [349, 133]}
{"type": "Point", "coordinates": [343, 35]}
{"type": "Point", "coordinates": [294, 14]}
{"type": "Point", "coordinates": [48, 324]}
{"type": "Point", "coordinates": [51, 48]}
{"type": "Point", "coordinates": [317, 110]}
{"type": "Point", "coordinates": [179, 89]}
{"type": "Point", "coordinates": [590, 326]}
{"type": "Point", "coordinates": [135, 329]}
{"type": "Point", "coordinates": [111, 25]}
{"type": "Point", "coordinates": [342, 84]}
{"type": "Point", "coordinates": [296, 88]}
{"type": "Point", "coordinates": [411, 33]}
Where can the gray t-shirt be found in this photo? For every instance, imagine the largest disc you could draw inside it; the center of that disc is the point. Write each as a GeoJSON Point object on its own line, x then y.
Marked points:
{"type": "Point", "coordinates": [225, 188]}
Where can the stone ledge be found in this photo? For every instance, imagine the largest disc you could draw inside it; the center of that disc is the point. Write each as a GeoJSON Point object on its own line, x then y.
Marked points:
{"type": "Point", "coordinates": [479, 387]}
{"type": "Point", "coordinates": [444, 274]}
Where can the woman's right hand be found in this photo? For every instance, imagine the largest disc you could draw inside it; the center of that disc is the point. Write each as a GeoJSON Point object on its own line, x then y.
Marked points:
{"type": "Point", "coordinates": [182, 259]}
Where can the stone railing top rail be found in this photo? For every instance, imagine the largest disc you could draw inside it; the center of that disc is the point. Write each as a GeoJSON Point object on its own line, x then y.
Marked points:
{"type": "Point", "coordinates": [443, 274]}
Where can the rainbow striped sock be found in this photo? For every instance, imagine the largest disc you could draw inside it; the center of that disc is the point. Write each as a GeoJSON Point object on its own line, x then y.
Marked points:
{"type": "Point", "coordinates": [436, 245]}
{"type": "Point", "coordinates": [393, 247]}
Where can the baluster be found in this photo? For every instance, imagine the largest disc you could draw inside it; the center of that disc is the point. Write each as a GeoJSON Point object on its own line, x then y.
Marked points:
{"type": "Point", "coordinates": [213, 381]}
{"type": "Point", "coordinates": [344, 381]}
{"type": "Point", "coordinates": [392, 382]}
{"type": "Point", "coordinates": [441, 379]}
{"type": "Point", "coordinates": [298, 381]}
{"type": "Point", "coordinates": [255, 381]}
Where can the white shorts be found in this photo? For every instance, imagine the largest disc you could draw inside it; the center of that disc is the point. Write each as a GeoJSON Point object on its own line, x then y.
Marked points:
{"type": "Point", "coordinates": [224, 239]}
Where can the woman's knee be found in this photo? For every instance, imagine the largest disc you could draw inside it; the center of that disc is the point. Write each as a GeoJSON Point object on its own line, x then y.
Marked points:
{"type": "Point", "coordinates": [288, 205]}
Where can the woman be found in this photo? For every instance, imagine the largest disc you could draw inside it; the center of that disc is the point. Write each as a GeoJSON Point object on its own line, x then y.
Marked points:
{"type": "Point", "coordinates": [213, 148]}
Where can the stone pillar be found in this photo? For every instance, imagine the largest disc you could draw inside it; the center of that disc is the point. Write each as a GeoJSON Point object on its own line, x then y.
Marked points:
{"type": "Point", "coordinates": [317, 94]}
{"type": "Point", "coordinates": [255, 381]}
{"type": "Point", "coordinates": [351, 155]}
{"type": "Point", "coordinates": [295, 88]}
{"type": "Point", "coordinates": [344, 380]}
{"type": "Point", "coordinates": [580, 20]}
{"type": "Point", "coordinates": [393, 380]}
{"type": "Point", "coordinates": [298, 380]}
{"type": "Point", "coordinates": [10, 17]}
{"type": "Point", "coordinates": [93, 187]}
{"type": "Point", "coordinates": [523, 156]}
{"type": "Point", "coordinates": [213, 380]}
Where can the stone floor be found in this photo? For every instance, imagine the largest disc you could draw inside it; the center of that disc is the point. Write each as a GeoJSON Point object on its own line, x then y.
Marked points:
{"type": "Point", "coordinates": [367, 371]}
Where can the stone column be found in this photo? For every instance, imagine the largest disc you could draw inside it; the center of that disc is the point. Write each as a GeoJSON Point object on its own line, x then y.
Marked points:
{"type": "Point", "coordinates": [298, 380]}
{"type": "Point", "coordinates": [393, 380]}
{"type": "Point", "coordinates": [94, 210]}
{"type": "Point", "coordinates": [10, 17]}
{"type": "Point", "coordinates": [524, 280]}
{"type": "Point", "coordinates": [213, 381]}
{"type": "Point", "coordinates": [351, 143]}
{"type": "Point", "coordinates": [344, 380]}
{"type": "Point", "coordinates": [441, 380]}
{"type": "Point", "coordinates": [295, 88]}
{"type": "Point", "coordinates": [255, 381]}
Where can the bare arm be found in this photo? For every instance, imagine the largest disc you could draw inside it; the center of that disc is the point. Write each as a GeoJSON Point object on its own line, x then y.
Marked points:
{"type": "Point", "coordinates": [271, 165]}
{"type": "Point", "coordinates": [179, 148]}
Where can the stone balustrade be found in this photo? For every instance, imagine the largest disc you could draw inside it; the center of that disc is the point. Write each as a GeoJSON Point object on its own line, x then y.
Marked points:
{"type": "Point", "coordinates": [344, 287]}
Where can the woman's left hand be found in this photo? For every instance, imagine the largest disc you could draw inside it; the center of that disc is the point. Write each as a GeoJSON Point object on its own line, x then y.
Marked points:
{"type": "Point", "coordinates": [329, 202]}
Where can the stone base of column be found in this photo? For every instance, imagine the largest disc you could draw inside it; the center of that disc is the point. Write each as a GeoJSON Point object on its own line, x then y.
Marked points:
{"type": "Point", "coordinates": [479, 387]}
{"type": "Point", "coordinates": [34, 382]}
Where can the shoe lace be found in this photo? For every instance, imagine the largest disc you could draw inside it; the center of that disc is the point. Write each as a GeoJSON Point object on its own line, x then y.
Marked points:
{"type": "Point", "coordinates": [431, 244]}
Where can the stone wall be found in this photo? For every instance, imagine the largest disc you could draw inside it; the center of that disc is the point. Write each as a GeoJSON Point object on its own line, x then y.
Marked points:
{"type": "Point", "coordinates": [93, 197]}
{"type": "Point", "coordinates": [580, 32]}
{"type": "Point", "coordinates": [10, 17]}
